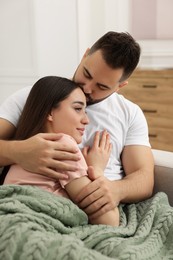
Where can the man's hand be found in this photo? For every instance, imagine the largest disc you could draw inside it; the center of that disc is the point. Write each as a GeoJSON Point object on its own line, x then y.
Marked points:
{"type": "Point", "coordinates": [98, 197]}
{"type": "Point", "coordinates": [103, 195]}
{"type": "Point", "coordinates": [43, 154]}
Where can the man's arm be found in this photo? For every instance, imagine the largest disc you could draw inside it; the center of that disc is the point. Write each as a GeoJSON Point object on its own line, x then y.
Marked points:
{"type": "Point", "coordinates": [137, 185]}
{"type": "Point", "coordinates": [138, 166]}
{"type": "Point", "coordinates": [39, 153]}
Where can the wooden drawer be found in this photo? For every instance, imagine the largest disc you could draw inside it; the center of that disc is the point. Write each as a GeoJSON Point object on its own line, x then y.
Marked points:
{"type": "Point", "coordinates": [151, 83]}
{"type": "Point", "coordinates": [149, 90]}
{"type": "Point", "coordinates": [161, 139]}
{"type": "Point", "coordinates": [158, 115]}
{"type": "Point", "coordinates": [152, 90]}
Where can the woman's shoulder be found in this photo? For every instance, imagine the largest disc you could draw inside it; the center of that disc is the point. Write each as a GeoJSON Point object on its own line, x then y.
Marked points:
{"type": "Point", "coordinates": [67, 138]}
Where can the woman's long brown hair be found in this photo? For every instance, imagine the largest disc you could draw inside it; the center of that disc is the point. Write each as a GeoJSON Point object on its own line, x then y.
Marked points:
{"type": "Point", "coordinates": [47, 93]}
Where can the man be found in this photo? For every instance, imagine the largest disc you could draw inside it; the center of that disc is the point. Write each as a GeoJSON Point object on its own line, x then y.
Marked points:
{"type": "Point", "coordinates": [103, 70]}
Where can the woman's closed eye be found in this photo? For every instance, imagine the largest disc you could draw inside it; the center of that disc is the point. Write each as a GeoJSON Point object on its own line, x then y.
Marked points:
{"type": "Point", "coordinates": [79, 106]}
{"type": "Point", "coordinates": [78, 109]}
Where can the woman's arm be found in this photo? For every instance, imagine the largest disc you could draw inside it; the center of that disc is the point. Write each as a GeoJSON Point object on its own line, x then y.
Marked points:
{"type": "Point", "coordinates": [97, 157]}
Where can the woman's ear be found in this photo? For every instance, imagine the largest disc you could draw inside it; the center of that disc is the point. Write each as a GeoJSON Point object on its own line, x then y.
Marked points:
{"type": "Point", "coordinates": [49, 117]}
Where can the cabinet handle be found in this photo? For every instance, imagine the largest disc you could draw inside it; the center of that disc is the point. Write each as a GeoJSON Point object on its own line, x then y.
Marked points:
{"type": "Point", "coordinates": [153, 135]}
{"type": "Point", "coordinates": [149, 110]}
{"type": "Point", "coordinates": [149, 86]}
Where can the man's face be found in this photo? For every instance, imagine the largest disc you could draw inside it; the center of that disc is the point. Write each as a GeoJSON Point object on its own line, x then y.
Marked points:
{"type": "Point", "coordinates": [96, 78]}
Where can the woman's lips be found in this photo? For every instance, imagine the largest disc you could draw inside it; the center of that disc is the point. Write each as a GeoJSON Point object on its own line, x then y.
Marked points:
{"type": "Point", "coordinates": [81, 130]}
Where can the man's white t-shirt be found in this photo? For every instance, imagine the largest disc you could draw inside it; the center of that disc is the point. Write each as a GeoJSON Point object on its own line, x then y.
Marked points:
{"type": "Point", "coordinates": [126, 124]}
{"type": "Point", "coordinates": [124, 121]}
{"type": "Point", "coordinates": [12, 107]}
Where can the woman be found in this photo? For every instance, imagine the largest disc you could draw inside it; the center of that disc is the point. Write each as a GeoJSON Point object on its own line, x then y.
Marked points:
{"type": "Point", "coordinates": [57, 105]}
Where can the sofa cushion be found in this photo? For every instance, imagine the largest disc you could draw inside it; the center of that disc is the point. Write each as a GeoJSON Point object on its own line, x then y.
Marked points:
{"type": "Point", "coordinates": [163, 173]}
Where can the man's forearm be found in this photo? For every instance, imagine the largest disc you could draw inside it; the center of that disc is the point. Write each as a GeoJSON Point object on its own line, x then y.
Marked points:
{"type": "Point", "coordinates": [138, 165]}
{"type": "Point", "coordinates": [7, 152]}
{"type": "Point", "coordinates": [136, 186]}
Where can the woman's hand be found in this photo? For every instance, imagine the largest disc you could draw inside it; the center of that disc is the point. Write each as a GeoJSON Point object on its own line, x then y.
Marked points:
{"type": "Point", "coordinates": [98, 155]}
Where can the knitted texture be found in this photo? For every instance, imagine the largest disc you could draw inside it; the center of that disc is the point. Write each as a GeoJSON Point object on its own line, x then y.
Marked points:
{"type": "Point", "coordinates": [37, 225]}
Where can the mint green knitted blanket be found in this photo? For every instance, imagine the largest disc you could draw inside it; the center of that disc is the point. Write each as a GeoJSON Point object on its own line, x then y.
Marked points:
{"type": "Point", "coordinates": [37, 225]}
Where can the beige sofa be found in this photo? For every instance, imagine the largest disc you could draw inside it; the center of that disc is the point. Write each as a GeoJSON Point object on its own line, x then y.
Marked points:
{"type": "Point", "coordinates": [164, 173]}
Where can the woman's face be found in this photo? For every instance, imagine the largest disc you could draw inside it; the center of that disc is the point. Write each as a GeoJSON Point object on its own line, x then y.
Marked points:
{"type": "Point", "coordinates": [70, 116]}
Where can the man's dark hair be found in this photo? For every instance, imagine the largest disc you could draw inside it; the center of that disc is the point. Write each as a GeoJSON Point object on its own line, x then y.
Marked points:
{"type": "Point", "coordinates": [119, 50]}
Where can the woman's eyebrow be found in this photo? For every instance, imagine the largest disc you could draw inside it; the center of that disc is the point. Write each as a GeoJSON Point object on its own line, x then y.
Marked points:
{"type": "Point", "coordinates": [79, 102]}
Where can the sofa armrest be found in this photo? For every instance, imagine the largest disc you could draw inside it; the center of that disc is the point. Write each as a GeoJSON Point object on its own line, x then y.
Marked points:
{"type": "Point", "coordinates": [163, 173]}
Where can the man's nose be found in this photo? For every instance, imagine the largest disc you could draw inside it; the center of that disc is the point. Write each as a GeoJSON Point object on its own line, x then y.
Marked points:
{"type": "Point", "coordinates": [87, 88]}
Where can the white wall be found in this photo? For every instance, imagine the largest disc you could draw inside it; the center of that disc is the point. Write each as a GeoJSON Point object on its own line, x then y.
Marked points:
{"type": "Point", "coordinates": [44, 37]}
{"type": "Point", "coordinates": [97, 17]}
{"type": "Point", "coordinates": [37, 38]}
{"type": "Point", "coordinates": [151, 23]}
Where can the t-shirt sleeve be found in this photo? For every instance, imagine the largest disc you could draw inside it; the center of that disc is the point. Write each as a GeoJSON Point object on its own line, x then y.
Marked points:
{"type": "Point", "coordinates": [137, 133]}
{"type": "Point", "coordinates": [12, 107]}
{"type": "Point", "coordinates": [80, 164]}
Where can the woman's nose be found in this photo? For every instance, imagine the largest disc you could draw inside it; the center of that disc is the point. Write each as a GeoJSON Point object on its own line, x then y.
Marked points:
{"type": "Point", "coordinates": [85, 120]}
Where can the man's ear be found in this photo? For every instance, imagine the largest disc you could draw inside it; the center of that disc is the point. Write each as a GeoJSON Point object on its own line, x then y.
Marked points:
{"type": "Point", "coordinates": [121, 85]}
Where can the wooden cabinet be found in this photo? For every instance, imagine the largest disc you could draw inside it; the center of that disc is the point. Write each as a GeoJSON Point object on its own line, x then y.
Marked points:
{"type": "Point", "coordinates": [152, 90]}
